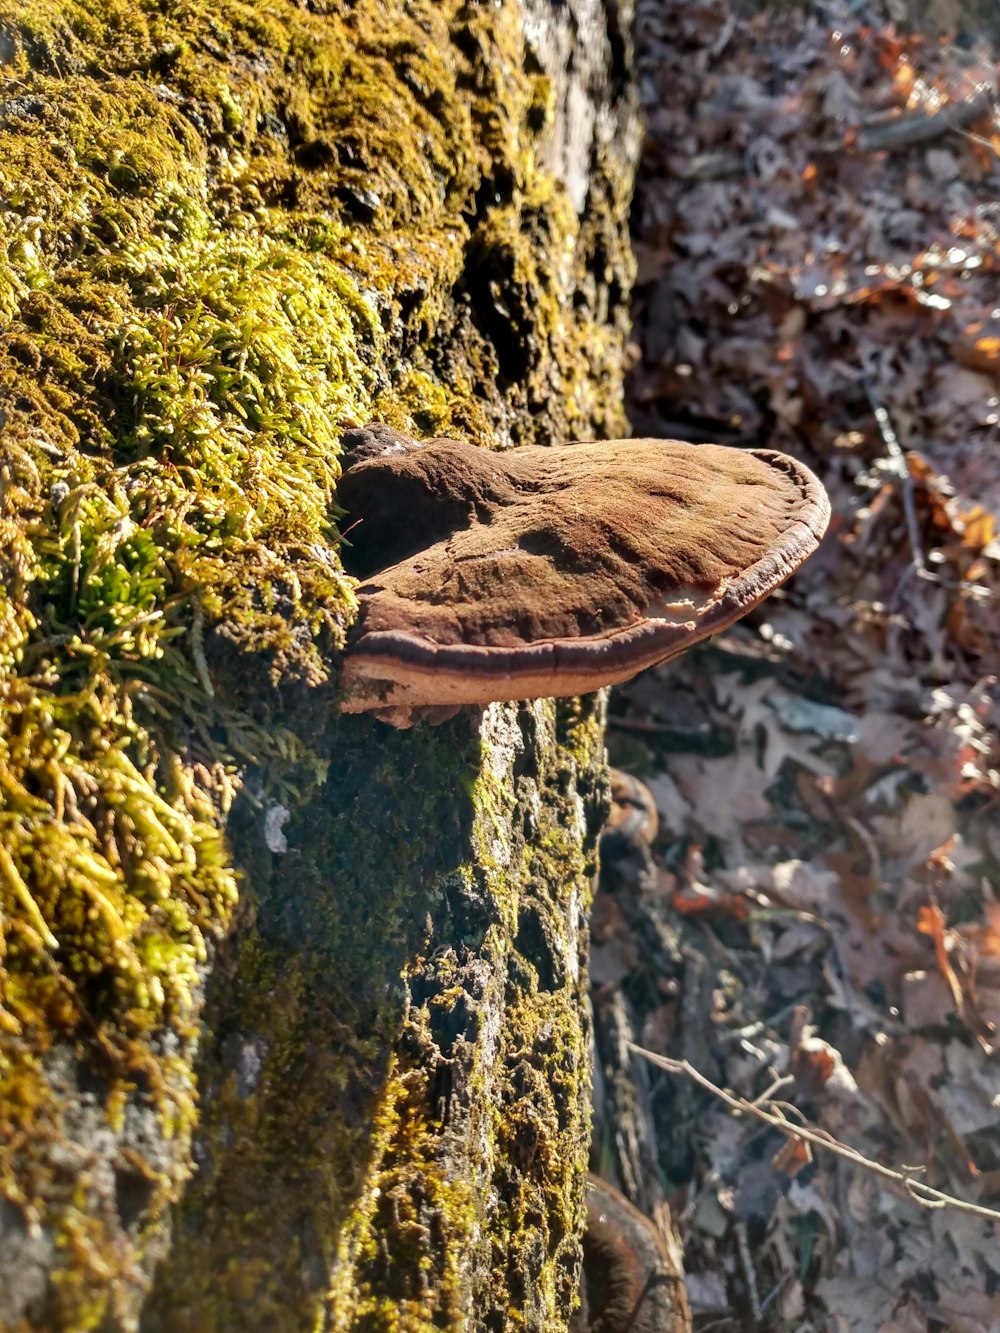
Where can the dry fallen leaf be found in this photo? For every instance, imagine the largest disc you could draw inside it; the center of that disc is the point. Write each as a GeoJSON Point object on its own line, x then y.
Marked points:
{"type": "Point", "coordinates": [802, 289]}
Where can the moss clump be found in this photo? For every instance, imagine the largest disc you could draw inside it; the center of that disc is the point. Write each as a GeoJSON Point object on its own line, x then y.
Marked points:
{"type": "Point", "coordinates": [227, 229]}
{"type": "Point", "coordinates": [503, 1001]}
{"type": "Point", "coordinates": [439, 1013]}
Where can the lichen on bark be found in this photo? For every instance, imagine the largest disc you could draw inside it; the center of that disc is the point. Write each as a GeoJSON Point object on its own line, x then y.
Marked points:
{"type": "Point", "coordinates": [228, 229]}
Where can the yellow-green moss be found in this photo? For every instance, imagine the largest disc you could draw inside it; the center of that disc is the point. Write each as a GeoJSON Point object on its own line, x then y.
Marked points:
{"type": "Point", "coordinates": [527, 1137]}
{"type": "Point", "coordinates": [432, 1012]}
{"type": "Point", "coordinates": [228, 229]}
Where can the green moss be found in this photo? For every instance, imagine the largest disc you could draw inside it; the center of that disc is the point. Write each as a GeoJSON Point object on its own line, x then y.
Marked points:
{"type": "Point", "coordinates": [228, 229]}
{"type": "Point", "coordinates": [322, 1028]}
{"type": "Point", "coordinates": [439, 1013]}
{"type": "Point", "coordinates": [541, 1109]}
{"type": "Point", "coordinates": [531, 1077]}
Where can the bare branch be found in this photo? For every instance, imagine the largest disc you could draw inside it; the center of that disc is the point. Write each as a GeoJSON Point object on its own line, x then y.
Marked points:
{"type": "Point", "coordinates": [920, 1192]}
{"type": "Point", "coordinates": [901, 470]}
{"type": "Point", "coordinates": [919, 127]}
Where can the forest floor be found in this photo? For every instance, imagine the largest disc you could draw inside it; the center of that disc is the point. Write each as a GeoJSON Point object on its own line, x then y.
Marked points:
{"type": "Point", "coordinates": [817, 226]}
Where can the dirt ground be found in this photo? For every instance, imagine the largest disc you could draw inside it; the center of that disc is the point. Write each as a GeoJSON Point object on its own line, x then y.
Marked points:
{"type": "Point", "coordinates": [817, 929]}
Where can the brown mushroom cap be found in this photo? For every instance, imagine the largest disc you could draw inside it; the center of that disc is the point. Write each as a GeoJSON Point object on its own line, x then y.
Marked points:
{"type": "Point", "coordinates": [555, 571]}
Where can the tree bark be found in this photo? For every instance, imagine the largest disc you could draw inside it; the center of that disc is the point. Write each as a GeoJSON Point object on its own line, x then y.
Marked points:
{"type": "Point", "coordinates": [293, 1028]}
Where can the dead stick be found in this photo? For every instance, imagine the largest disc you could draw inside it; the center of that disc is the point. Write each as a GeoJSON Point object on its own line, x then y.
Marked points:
{"type": "Point", "coordinates": [902, 471]}
{"type": "Point", "coordinates": [921, 1193]}
{"type": "Point", "coordinates": [917, 127]}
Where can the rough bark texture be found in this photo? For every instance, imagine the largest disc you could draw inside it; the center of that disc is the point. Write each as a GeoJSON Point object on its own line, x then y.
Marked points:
{"type": "Point", "coordinates": [228, 230]}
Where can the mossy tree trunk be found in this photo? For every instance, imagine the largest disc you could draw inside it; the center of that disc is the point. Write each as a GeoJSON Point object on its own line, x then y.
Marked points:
{"type": "Point", "coordinates": [293, 1030]}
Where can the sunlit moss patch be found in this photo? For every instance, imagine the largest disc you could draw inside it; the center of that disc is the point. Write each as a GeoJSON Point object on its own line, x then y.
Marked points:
{"type": "Point", "coordinates": [227, 229]}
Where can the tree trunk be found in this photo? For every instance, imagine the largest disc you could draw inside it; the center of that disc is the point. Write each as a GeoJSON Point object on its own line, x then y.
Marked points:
{"type": "Point", "coordinates": [293, 1031]}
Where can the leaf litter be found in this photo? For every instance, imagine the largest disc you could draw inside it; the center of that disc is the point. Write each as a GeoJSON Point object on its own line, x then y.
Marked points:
{"type": "Point", "coordinates": [817, 227]}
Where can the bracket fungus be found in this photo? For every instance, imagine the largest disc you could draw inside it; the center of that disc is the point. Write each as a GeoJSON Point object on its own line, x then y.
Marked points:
{"type": "Point", "coordinates": [553, 571]}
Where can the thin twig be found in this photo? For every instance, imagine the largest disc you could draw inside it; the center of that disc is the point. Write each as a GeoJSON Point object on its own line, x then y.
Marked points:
{"type": "Point", "coordinates": [895, 451]}
{"type": "Point", "coordinates": [918, 564]}
{"type": "Point", "coordinates": [768, 1096]}
{"type": "Point", "coordinates": [749, 1276]}
{"type": "Point", "coordinates": [921, 1193]}
{"type": "Point", "coordinates": [775, 1292]}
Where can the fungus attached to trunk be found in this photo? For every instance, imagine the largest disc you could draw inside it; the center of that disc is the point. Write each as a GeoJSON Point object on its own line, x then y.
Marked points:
{"type": "Point", "coordinates": [553, 571]}
{"type": "Point", "coordinates": [632, 1269]}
